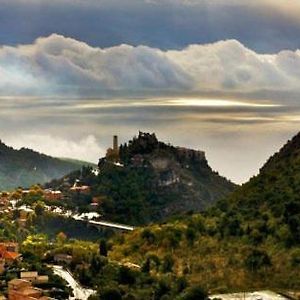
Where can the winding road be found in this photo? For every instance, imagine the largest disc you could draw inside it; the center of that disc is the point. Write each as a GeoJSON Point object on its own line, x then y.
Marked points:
{"type": "Point", "coordinates": [78, 291]}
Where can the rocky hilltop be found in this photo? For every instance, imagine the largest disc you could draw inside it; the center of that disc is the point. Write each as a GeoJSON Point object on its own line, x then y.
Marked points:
{"type": "Point", "coordinates": [169, 180]}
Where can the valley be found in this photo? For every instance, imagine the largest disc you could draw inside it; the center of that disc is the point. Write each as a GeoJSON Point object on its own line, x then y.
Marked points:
{"type": "Point", "coordinates": [238, 243]}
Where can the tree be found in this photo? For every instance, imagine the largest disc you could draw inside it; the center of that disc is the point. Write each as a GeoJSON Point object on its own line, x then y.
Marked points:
{"type": "Point", "coordinates": [36, 244]}
{"type": "Point", "coordinates": [181, 284]}
{"type": "Point", "coordinates": [195, 293]}
{"type": "Point", "coordinates": [190, 235]}
{"type": "Point", "coordinates": [162, 288]}
{"type": "Point", "coordinates": [256, 259]}
{"type": "Point", "coordinates": [167, 264]}
{"type": "Point", "coordinates": [85, 276]}
{"type": "Point", "coordinates": [146, 266]}
{"type": "Point", "coordinates": [103, 248]}
{"type": "Point", "coordinates": [126, 275]}
{"type": "Point", "coordinates": [148, 235]}
{"type": "Point", "coordinates": [284, 235]}
{"type": "Point", "coordinates": [61, 238]}
{"type": "Point", "coordinates": [97, 263]}
{"type": "Point", "coordinates": [110, 294]}
{"type": "Point", "coordinates": [295, 258]}
{"type": "Point", "coordinates": [39, 208]}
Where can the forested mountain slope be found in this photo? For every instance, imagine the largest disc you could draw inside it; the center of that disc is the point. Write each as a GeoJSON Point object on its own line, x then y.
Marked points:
{"type": "Point", "coordinates": [273, 196]}
{"type": "Point", "coordinates": [25, 167]}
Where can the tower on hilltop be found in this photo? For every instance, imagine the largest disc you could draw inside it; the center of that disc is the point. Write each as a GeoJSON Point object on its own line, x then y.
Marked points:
{"type": "Point", "coordinates": [112, 154]}
{"type": "Point", "coordinates": [115, 143]}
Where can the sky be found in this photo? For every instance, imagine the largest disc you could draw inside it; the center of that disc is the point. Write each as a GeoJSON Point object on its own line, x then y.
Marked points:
{"type": "Point", "coordinates": [221, 76]}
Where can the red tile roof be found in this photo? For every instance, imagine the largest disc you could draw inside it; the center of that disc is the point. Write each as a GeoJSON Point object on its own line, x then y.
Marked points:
{"type": "Point", "coordinates": [10, 255]}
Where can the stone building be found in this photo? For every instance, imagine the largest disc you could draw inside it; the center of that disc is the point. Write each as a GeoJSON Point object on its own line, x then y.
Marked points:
{"type": "Point", "coordinates": [19, 289]}
{"type": "Point", "coordinates": [51, 195]}
{"type": "Point", "coordinates": [112, 154]}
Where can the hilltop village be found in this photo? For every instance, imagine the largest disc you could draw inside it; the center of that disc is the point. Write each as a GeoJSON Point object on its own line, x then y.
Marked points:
{"type": "Point", "coordinates": [76, 193]}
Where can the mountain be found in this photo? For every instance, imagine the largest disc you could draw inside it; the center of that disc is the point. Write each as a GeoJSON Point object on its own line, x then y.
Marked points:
{"type": "Point", "coordinates": [249, 240]}
{"type": "Point", "coordinates": [274, 194]}
{"type": "Point", "coordinates": [179, 179]}
{"type": "Point", "coordinates": [146, 180]}
{"type": "Point", "coordinates": [25, 167]}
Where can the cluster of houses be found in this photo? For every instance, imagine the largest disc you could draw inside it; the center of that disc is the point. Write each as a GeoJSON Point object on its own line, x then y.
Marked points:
{"type": "Point", "coordinates": [7, 198]}
{"type": "Point", "coordinates": [20, 288]}
{"type": "Point", "coordinates": [23, 288]}
{"type": "Point", "coordinates": [49, 194]}
{"type": "Point", "coordinates": [8, 201]}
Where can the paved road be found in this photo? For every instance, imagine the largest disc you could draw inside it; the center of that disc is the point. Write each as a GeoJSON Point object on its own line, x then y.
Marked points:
{"type": "Point", "coordinates": [78, 291]}
{"type": "Point", "coordinates": [259, 295]}
{"type": "Point", "coordinates": [112, 225]}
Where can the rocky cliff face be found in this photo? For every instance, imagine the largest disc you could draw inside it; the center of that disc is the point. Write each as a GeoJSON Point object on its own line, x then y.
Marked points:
{"type": "Point", "coordinates": [192, 183]}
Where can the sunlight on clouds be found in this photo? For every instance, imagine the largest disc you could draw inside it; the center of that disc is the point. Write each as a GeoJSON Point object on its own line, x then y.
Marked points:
{"type": "Point", "coordinates": [187, 102]}
{"type": "Point", "coordinates": [60, 66]}
{"type": "Point", "coordinates": [216, 103]}
{"type": "Point", "coordinates": [237, 139]}
{"type": "Point", "coordinates": [290, 118]}
{"type": "Point", "coordinates": [17, 75]}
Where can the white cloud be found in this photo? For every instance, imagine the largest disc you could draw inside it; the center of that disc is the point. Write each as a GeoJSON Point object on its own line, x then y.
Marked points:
{"type": "Point", "coordinates": [56, 65]}
{"type": "Point", "coordinates": [84, 149]}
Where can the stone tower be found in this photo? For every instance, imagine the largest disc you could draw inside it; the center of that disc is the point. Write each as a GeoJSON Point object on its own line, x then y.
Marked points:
{"type": "Point", "coordinates": [115, 144]}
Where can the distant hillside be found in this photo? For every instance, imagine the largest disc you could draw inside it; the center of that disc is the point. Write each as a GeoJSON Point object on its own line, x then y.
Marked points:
{"type": "Point", "coordinates": [77, 162]}
{"type": "Point", "coordinates": [25, 167]}
{"type": "Point", "coordinates": [147, 180]}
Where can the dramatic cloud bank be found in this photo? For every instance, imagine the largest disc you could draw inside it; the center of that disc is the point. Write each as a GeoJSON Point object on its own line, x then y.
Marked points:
{"type": "Point", "coordinates": [59, 66]}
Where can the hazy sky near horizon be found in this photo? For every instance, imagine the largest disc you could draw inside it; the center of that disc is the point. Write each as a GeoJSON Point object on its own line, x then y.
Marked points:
{"type": "Point", "coordinates": [222, 76]}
